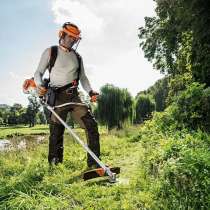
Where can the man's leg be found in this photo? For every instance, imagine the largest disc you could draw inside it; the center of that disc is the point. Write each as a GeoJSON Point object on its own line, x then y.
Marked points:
{"type": "Point", "coordinates": [56, 143]}
{"type": "Point", "coordinates": [92, 134]}
{"type": "Point", "coordinates": [56, 137]}
{"type": "Point", "coordinates": [84, 117]}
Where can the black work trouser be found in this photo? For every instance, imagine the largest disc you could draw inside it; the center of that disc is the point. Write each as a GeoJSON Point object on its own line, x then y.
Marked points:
{"type": "Point", "coordinates": [83, 116]}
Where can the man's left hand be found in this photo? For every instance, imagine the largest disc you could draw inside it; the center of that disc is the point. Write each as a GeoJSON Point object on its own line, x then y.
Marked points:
{"type": "Point", "coordinates": [42, 91]}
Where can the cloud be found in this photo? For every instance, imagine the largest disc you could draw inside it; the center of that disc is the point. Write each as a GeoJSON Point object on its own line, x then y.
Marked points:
{"type": "Point", "coordinates": [14, 76]}
{"type": "Point", "coordinates": [126, 71]}
{"type": "Point", "coordinates": [11, 89]}
{"type": "Point", "coordinates": [78, 13]}
{"type": "Point", "coordinates": [110, 47]}
{"type": "Point", "coordinates": [13, 94]}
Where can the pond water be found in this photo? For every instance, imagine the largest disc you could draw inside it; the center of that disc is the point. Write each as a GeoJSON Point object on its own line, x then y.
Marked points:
{"type": "Point", "coordinates": [20, 142]}
{"type": "Point", "coordinates": [4, 144]}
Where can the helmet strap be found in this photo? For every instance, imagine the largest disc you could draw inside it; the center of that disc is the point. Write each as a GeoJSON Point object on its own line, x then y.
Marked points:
{"type": "Point", "coordinates": [76, 45]}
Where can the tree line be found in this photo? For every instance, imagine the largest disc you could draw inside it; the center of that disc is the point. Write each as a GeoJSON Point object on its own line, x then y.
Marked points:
{"type": "Point", "coordinates": [115, 108]}
{"type": "Point", "coordinates": [17, 114]}
{"type": "Point", "coordinates": [177, 42]}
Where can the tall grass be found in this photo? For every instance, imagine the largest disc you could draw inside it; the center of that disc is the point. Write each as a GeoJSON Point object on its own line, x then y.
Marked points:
{"type": "Point", "coordinates": [27, 182]}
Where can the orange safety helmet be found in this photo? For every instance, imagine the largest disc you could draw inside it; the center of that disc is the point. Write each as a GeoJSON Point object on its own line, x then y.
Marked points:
{"type": "Point", "coordinates": [71, 30]}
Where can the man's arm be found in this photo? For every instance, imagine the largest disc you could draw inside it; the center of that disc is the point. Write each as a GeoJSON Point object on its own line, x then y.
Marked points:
{"type": "Point", "coordinates": [84, 80]}
{"type": "Point", "coordinates": [43, 63]}
{"type": "Point", "coordinates": [86, 84]}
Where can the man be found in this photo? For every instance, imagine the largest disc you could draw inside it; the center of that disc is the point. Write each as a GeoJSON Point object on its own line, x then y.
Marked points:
{"type": "Point", "coordinates": [65, 71]}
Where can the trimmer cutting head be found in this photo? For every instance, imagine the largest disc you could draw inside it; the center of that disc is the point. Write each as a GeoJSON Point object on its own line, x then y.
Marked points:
{"type": "Point", "coordinates": [99, 172]}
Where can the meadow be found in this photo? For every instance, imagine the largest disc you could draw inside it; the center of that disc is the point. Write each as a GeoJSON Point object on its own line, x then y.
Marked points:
{"type": "Point", "coordinates": [158, 171]}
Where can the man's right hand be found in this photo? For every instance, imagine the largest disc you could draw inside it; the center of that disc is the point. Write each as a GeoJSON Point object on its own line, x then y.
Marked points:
{"type": "Point", "coordinates": [94, 96]}
{"type": "Point", "coordinates": [42, 91]}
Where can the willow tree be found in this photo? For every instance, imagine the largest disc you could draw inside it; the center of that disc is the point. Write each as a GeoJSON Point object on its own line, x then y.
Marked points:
{"type": "Point", "coordinates": [144, 107]}
{"type": "Point", "coordinates": [115, 107]}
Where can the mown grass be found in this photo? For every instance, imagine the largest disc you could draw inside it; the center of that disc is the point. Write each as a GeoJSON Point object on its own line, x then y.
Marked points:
{"type": "Point", "coordinates": [7, 132]}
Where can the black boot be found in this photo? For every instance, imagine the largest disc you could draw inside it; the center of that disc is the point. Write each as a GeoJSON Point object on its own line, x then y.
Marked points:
{"type": "Point", "coordinates": [55, 155]}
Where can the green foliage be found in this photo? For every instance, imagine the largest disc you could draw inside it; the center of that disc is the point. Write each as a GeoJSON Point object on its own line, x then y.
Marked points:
{"type": "Point", "coordinates": [192, 108]}
{"type": "Point", "coordinates": [13, 115]}
{"type": "Point", "coordinates": [4, 113]}
{"type": "Point", "coordinates": [115, 107]}
{"type": "Point", "coordinates": [177, 41]}
{"type": "Point", "coordinates": [40, 118]}
{"type": "Point", "coordinates": [159, 92]}
{"type": "Point", "coordinates": [144, 107]}
{"type": "Point", "coordinates": [1, 121]}
{"type": "Point", "coordinates": [32, 110]}
{"type": "Point", "coordinates": [14, 112]}
{"type": "Point", "coordinates": [184, 56]}
{"type": "Point", "coordinates": [19, 115]}
{"type": "Point", "coordinates": [176, 167]}
{"type": "Point", "coordinates": [166, 169]}
{"type": "Point", "coordinates": [158, 41]}
{"type": "Point", "coordinates": [176, 85]}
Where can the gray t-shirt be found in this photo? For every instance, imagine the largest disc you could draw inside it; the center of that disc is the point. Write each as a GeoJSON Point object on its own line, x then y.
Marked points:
{"type": "Point", "coordinates": [64, 71]}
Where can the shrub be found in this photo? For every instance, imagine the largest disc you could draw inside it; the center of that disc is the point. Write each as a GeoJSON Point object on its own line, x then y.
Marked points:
{"type": "Point", "coordinates": [144, 108]}
{"type": "Point", "coordinates": [192, 108]}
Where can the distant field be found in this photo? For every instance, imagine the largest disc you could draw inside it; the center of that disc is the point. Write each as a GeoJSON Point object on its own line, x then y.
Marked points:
{"type": "Point", "coordinates": [23, 130]}
{"type": "Point", "coordinates": [7, 132]}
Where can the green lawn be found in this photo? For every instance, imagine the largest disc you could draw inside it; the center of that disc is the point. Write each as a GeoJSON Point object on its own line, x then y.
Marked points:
{"type": "Point", "coordinates": [23, 130]}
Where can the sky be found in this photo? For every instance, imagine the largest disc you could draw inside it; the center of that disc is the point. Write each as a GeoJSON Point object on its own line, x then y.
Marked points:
{"type": "Point", "coordinates": [109, 45]}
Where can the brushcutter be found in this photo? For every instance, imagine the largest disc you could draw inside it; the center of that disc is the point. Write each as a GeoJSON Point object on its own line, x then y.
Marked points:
{"type": "Point", "coordinates": [29, 87]}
